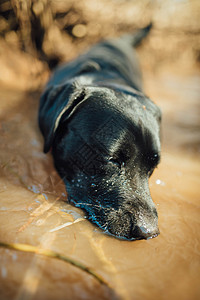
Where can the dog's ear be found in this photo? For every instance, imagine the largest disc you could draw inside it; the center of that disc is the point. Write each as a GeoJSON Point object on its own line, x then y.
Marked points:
{"type": "Point", "coordinates": [55, 102]}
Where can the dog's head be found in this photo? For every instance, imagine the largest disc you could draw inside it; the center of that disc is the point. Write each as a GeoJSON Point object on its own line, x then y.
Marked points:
{"type": "Point", "coordinates": [106, 145]}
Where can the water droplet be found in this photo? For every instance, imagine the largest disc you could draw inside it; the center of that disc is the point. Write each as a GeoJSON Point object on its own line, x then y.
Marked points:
{"type": "Point", "coordinates": [45, 196]}
{"type": "Point", "coordinates": [158, 181]}
{"type": "Point", "coordinates": [14, 256]}
{"type": "Point", "coordinates": [3, 208]}
{"type": "Point", "coordinates": [3, 272]}
{"type": "Point", "coordinates": [37, 201]}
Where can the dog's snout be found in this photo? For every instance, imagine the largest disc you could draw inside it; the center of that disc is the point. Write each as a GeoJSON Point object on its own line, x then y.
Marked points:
{"type": "Point", "coordinates": [141, 232]}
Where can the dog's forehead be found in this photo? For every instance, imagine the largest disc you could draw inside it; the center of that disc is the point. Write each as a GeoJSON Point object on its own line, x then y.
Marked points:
{"type": "Point", "coordinates": [127, 113]}
{"type": "Point", "coordinates": [109, 117]}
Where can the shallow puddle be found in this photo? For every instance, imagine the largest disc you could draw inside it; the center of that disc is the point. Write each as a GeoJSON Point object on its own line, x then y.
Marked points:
{"type": "Point", "coordinates": [33, 210]}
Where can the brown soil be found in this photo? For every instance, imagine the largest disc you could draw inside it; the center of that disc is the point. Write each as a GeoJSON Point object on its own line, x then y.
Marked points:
{"type": "Point", "coordinates": [35, 37]}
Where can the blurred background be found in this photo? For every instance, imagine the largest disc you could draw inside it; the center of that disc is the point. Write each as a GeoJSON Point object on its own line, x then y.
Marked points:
{"type": "Point", "coordinates": [36, 36]}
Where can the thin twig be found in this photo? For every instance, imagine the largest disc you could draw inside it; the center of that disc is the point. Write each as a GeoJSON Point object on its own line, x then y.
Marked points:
{"type": "Point", "coordinates": [66, 224]}
{"type": "Point", "coordinates": [50, 253]}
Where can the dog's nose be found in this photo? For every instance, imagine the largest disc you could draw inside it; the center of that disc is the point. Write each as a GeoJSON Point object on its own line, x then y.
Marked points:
{"type": "Point", "coordinates": [141, 232]}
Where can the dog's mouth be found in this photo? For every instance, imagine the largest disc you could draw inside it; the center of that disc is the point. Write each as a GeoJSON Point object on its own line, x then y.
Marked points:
{"type": "Point", "coordinates": [117, 222]}
{"type": "Point", "coordinates": [132, 237]}
{"type": "Point", "coordinates": [127, 225]}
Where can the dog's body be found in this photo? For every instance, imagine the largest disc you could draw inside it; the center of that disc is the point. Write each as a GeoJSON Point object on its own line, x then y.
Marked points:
{"type": "Point", "coordinates": [104, 135]}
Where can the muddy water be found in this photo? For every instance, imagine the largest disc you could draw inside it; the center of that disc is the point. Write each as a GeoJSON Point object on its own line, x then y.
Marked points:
{"type": "Point", "coordinates": [32, 207]}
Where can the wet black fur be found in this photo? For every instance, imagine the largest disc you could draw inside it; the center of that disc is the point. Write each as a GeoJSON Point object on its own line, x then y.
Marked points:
{"type": "Point", "coordinates": [104, 135]}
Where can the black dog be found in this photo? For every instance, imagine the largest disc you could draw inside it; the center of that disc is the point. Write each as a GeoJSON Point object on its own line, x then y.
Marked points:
{"type": "Point", "coordinates": [104, 136]}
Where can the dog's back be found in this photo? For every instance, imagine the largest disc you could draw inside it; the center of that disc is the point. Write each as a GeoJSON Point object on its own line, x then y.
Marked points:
{"type": "Point", "coordinates": [111, 58]}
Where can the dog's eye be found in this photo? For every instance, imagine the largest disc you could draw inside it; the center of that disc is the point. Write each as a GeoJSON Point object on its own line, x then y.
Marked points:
{"type": "Point", "coordinates": [115, 162]}
{"type": "Point", "coordinates": [153, 159]}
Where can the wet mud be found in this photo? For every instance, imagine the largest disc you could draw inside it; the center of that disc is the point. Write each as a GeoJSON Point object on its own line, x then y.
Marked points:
{"type": "Point", "coordinates": [33, 199]}
{"type": "Point", "coordinates": [34, 210]}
